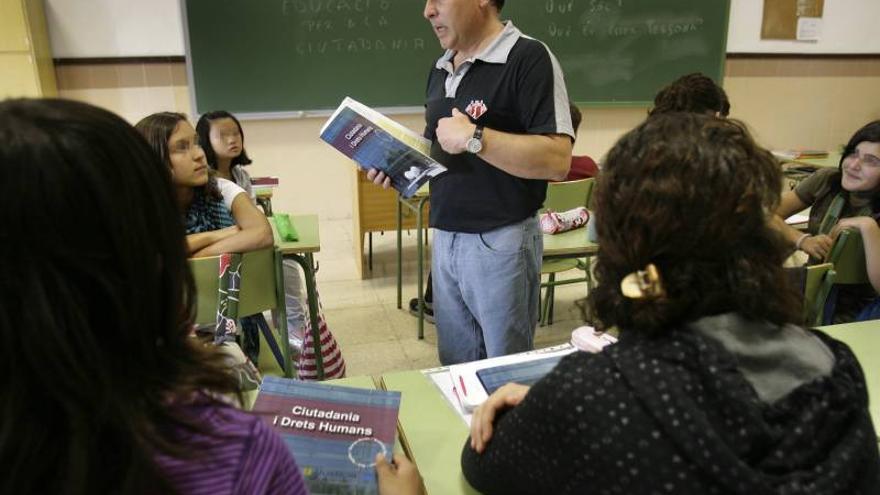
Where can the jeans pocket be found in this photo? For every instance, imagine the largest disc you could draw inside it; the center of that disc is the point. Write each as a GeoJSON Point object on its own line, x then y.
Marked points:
{"type": "Point", "coordinates": [503, 240]}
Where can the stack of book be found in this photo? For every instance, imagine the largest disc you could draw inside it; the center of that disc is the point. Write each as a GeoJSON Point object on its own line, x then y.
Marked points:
{"type": "Point", "coordinates": [263, 185]}
{"type": "Point", "coordinates": [798, 154]}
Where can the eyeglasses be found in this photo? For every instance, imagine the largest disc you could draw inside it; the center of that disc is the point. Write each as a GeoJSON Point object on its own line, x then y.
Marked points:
{"type": "Point", "coordinates": [866, 159]}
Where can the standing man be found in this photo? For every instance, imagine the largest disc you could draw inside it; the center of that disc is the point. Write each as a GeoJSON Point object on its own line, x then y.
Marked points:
{"type": "Point", "coordinates": [498, 117]}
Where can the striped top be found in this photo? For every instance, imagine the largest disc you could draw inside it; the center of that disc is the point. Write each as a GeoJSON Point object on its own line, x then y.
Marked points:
{"type": "Point", "coordinates": [245, 456]}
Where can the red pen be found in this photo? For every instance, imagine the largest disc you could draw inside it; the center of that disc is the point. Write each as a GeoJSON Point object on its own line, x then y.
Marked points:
{"type": "Point", "coordinates": [463, 388]}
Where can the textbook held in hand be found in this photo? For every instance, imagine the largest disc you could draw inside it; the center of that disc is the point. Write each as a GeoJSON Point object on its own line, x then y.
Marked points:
{"type": "Point", "coordinates": [334, 432]}
{"type": "Point", "coordinates": [375, 141]}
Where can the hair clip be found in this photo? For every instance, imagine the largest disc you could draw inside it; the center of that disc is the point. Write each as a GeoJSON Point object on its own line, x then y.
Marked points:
{"type": "Point", "coordinates": [643, 284]}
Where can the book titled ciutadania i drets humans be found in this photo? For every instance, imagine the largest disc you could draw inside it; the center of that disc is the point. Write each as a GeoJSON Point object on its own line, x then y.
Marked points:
{"type": "Point", "coordinates": [375, 141]}
{"type": "Point", "coordinates": [334, 432]}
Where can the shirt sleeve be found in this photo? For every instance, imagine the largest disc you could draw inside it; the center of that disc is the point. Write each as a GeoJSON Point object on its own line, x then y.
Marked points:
{"type": "Point", "coordinates": [243, 179]}
{"type": "Point", "coordinates": [543, 97]}
{"type": "Point", "coordinates": [229, 190]}
{"type": "Point", "coordinates": [815, 186]}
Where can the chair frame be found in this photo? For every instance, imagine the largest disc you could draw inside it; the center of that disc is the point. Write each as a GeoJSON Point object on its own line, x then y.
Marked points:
{"type": "Point", "coordinates": [563, 196]}
{"type": "Point", "coordinates": [262, 288]}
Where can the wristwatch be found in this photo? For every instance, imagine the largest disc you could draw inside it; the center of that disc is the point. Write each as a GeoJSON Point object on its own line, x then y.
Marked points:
{"type": "Point", "coordinates": [475, 143]}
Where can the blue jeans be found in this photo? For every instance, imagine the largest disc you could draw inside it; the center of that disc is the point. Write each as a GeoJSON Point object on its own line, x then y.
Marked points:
{"type": "Point", "coordinates": [486, 291]}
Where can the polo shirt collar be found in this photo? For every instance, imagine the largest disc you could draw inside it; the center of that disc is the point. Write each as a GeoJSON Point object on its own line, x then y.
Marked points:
{"type": "Point", "coordinates": [496, 53]}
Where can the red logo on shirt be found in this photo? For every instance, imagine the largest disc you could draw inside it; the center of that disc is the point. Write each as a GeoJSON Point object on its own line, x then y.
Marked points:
{"type": "Point", "coordinates": [476, 108]}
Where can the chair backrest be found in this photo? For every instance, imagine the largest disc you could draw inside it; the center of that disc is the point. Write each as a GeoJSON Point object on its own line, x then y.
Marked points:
{"type": "Point", "coordinates": [261, 288]}
{"type": "Point", "coordinates": [848, 257]}
{"type": "Point", "coordinates": [562, 196]}
{"type": "Point", "coordinates": [817, 286]}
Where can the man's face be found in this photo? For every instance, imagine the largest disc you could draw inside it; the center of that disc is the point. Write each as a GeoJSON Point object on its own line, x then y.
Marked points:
{"type": "Point", "coordinates": [455, 22]}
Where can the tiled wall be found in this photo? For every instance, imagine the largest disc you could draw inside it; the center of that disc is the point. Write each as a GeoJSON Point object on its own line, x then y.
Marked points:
{"type": "Point", "coordinates": [787, 101]}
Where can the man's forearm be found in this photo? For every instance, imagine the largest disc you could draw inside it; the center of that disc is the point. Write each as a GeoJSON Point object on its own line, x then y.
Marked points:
{"type": "Point", "coordinates": [529, 156]}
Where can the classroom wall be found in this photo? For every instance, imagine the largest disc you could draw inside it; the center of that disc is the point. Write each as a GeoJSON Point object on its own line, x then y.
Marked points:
{"type": "Point", "coordinates": [787, 101]}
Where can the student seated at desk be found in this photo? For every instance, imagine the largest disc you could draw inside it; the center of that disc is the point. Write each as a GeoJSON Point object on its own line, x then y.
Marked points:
{"type": "Point", "coordinates": [842, 198]}
{"type": "Point", "coordinates": [712, 387]}
{"type": "Point", "coordinates": [222, 139]}
{"type": "Point", "coordinates": [219, 215]}
{"type": "Point", "coordinates": [104, 392]}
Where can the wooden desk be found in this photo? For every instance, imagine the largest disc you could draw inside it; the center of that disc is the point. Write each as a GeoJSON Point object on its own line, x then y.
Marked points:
{"type": "Point", "coordinates": [431, 432]}
{"type": "Point", "coordinates": [374, 210]}
{"type": "Point", "coordinates": [302, 251]}
{"type": "Point", "coordinates": [864, 339]}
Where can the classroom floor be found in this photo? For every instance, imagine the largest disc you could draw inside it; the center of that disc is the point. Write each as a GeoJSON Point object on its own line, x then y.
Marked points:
{"type": "Point", "coordinates": [374, 335]}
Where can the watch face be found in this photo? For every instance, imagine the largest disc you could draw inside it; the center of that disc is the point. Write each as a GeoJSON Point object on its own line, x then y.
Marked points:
{"type": "Point", "coordinates": [474, 145]}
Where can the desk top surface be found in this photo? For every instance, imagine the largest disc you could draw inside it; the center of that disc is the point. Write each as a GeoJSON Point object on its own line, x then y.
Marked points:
{"type": "Point", "coordinates": [830, 161]}
{"type": "Point", "coordinates": [573, 242]}
{"type": "Point", "coordinates": [309, 239]}
{"type": "Point", "coordinates": [864, 339]}
{"type": "Point", "coordinates": [432, 432]}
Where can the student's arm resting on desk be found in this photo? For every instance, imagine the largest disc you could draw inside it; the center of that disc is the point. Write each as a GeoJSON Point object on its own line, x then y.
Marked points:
{"type": "Point", "coordinates": [201, 240]}
{"type": "Point", "coordinates": [817, 246]}
{"type": "Point", "coordinates": [526, 443]}
{"type": "Point", "coordinates": [255, 232]}
{"type": "Point", "coordinates": [870, 231]}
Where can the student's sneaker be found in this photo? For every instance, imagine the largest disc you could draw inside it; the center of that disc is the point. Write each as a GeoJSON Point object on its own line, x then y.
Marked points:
{"type": "Point", "coordinates": [414, 309]}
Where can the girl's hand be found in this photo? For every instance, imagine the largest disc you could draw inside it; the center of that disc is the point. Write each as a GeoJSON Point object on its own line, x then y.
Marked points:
{"type": "Point", "coordinates": [860, 223]}
{"type": "Point", "coordinates": [401, 478]}
{"type": "Point", "coordinates": [508, 396]}
{"type": "Point", "coordinates": [817, 246]}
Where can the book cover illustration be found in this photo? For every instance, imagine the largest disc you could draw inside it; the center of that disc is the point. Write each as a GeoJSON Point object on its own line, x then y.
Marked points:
{"type": "Point", "coordinates": [334, 432]}
{"type": "Point", "coordinates": [375, 141]}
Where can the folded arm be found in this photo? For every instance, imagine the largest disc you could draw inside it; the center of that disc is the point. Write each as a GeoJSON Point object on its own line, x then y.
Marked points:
{"type": "Point", "coordinates": [254, 230]}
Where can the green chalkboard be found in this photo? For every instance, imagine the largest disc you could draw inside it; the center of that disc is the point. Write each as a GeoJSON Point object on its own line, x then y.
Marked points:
{"type": "Point", "coordinates": [269, 56]}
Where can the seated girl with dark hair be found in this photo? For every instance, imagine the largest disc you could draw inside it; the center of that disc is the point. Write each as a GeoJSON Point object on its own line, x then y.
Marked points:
{"type": "Point", "coordinates": [104, 392]}
{"type": "Point", "coordinates": [845, 197]}
{"type": "Point", "coordinates": [219, 215]}
{"type": "Point", "coordinates": [712, 387]}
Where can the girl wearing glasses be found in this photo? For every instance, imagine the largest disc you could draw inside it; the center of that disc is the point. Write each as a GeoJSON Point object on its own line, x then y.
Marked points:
{"type": "Point", "coordinates": [846, 197]}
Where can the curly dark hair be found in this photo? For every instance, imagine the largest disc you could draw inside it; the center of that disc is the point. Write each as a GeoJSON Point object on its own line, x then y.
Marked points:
{"type": "Point", "coordinates": [694, 92]}
{"type": "Point", "coordinates": [690, 193]}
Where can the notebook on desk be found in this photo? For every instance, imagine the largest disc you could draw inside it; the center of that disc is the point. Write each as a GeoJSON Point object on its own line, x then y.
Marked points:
{"type": "Point", "coordinates": [474, 381]}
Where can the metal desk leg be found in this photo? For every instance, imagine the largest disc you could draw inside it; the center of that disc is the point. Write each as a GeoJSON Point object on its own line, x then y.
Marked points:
{"type": "Point", "coordinates": [307, 263]}
{"type": "Point", "coordinates": [399, 253]}
{"type": "Point", "coordinates": [421, 265]}
{"type": "Point", "coordinates": [282, 317]}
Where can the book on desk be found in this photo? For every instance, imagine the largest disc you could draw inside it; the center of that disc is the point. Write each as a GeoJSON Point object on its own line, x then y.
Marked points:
{"type": "Point", "coordinates": [797, 154]}
{"type": "Point", "coordinates": [334, 432]}
{"type": "Point", "coordinates": [375, 141]}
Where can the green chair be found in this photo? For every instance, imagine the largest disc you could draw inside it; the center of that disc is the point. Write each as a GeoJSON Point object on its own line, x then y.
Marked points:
{"type": "Point", "coordinates": [817, 286]}
{"type": "Point", "coordinates": [562, 196]}
{"type": "Point", "coordinates": [848, 257]}
{"type": "Point", "coordinates": [261, 289]}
